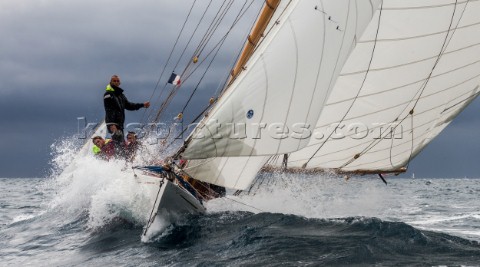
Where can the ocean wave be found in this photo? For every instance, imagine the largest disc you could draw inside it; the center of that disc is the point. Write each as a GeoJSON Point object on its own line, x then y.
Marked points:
{"type": "Point", "coordinates": [260, 239]}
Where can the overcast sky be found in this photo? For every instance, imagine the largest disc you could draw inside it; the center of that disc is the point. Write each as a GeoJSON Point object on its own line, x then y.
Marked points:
{"type": "Point", "coordinates": [57, 56]}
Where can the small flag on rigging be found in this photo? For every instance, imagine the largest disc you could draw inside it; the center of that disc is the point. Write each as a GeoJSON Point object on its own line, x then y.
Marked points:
{"type": "Point", "coordinates": [174, 79]}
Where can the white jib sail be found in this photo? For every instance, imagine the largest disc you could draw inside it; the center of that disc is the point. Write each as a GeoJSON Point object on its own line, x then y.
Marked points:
{"type": "Point", "coordinates": [400, 88]}
{"type": "Point", "coordinates": [269, 107]}
{"type": "Point", "coordinates": [235, 172]}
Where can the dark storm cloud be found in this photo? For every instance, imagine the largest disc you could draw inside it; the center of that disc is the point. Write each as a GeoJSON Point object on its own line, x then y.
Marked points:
{"type": "Point", "coordinates": [454, 153]}
{"type": "Point", "coordinates": [57, 56]}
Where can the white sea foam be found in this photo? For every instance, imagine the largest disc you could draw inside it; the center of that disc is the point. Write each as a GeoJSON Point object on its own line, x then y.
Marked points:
{"type": "Point", "coordinates": [410, 201]}
{"type": "Point", "coordinates": [22, 217]}
{"type": "Point", "coordinates": [106, 190]}
{"type": "Point", "coordinates": [157, 227]}
{"type": "Point", "coordinates": [310, 196]}
{"type": "Point", "coordinates": [103, 190]}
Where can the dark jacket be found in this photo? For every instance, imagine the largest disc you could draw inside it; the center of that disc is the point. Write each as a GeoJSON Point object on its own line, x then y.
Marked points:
{"type": "Point", "coordinates": [115, 104]}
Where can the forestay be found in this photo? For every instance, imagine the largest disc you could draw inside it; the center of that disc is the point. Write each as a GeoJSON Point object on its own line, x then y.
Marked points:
{"type": "Point", "coordinates": [416, 67]}
{"type": "Point", "coordinates": [285, 83]}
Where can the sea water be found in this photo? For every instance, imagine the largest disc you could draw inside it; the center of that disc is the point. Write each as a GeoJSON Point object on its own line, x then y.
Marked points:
{"type": "Point", "coordinates": [294, 220]}
{"type": "Point", "coordinates": [92, 213]}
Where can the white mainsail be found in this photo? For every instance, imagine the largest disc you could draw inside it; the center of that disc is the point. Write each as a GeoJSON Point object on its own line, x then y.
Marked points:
{"type": "Point", "coordinates": [413, 78]}
{"type": "Point", "coordinates": [285, 83]}
{"type": "Point", "coordinates": [416, 67]}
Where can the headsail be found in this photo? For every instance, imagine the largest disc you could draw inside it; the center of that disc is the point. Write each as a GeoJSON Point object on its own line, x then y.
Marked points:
{"type": "Point", "coordinates": [285, 83]}
{"type": "Point", "coordinates": [414, 70]}
{"type": "Point", "coordinates": [231, 172]}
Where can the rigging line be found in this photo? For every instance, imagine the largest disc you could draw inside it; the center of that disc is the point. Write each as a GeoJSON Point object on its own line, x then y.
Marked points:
{"type": "Point", "coordinates": [191, 37]}
{"type": "Point", "coordinates": [439, 91]}
{"type": "Point", "coordinates": [158, 100]}
{"type": "Point", "coordinates": [407, 64]}
{"type": "Point", "coordinates": [170, 55]}
{"type": "Point", "coordinates": [392, 132]}
{"type": "Point", "coordinates": [265, 34]}
{"type": "Point", "coordinates": [322, 53]}
{"type": "Point", "coordinates": [430, 34]}
{"type": "Point", "coordinates": [429, 6]}
{"type": "Point", "coordinates": [164, 104]}
{"type": "Point", "coordinates": [258, 183]}
{"type": "Point", "coordinates": [242, 203]}
{"type": "Point", "coordinates": [411, 151]}
{"type": "Point", "coordinates": [224, 85]}
{"type": "Point", "coordinates": [423, 87]}
{"type": "Point", "coordinates": [320, 64]}
{"type": "Point", "coordinates": [462, 102]}
{"type": "Point", "coordinates": [398, 145]}
{"type": "Point", "coordinates": [201, 79]}
{"type": "Point", "coordinates": [215, 27]}
{"type": "Point", "coordinates": [208, 29]}
{"type": "Point", "coordinates": [444, 48]}
{"type": "Point", "coordinates": [239, 16]}
{"type": "Point", "coordinates": [352, 147]}
{"type": "Point", "coordinates": [359, 90]}
{"type": "Point", "coordinates": [200, 163]}
{"type": "Point", "coordinates": [270, 161]}
{"type": "Point", "coordinates": [446, 41]}
{"type": "Point", "coordinates": [151, 218]}
{"type": "Point", "coordinates": [209, 65]}
{"type": "Point", "coordinates": [175, 88]}
{"type": "Point", "coordinates": [186, 128]}
{"type": "Point", "coordinates": [215, 47]}
{"type": "Point", "coordinates": [222, 40]}
{"type": "Point", "coordinates": [381, 125]}
{"type": "Point", "coordinates": [210, 191]}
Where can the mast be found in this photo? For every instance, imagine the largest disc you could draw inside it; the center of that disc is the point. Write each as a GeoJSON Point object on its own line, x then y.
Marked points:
{"type": "Point", "coordinates": [299, 56]}
{"type": "Point", "coordinates": [296, 52]}
{"type": "Point", "coordinates": [254, 37]}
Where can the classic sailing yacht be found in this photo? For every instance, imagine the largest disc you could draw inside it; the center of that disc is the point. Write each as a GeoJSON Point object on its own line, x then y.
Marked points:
{"type": "Point", "coordinates": [358, 87]}
{"type": "Point", "coordinates": [376, 81]}
{"type": "Point", "coordinates": [414, 68]}
{"type": "Point", "coordinates": [288, 67]}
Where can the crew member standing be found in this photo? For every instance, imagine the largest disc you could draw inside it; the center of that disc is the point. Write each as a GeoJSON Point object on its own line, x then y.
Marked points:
{"type": "Point", "coordinates": [115, 104]}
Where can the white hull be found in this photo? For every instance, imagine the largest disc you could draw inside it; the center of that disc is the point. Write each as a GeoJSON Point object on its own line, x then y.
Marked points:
{"type": "Point", "coordinates": [170, 202]}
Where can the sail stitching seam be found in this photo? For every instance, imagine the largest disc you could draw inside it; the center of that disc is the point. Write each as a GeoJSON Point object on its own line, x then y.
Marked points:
{"type": "Point", "coordinates": [444, 46]}
{"type": "Point", "coordinates": [422, 35]}
{"type": "Point", "coordinates": [358, 92]}
{"type": "Point", "coordinates": [403, 103]}
{"type": "Point", "coordinates": [412, 83]}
